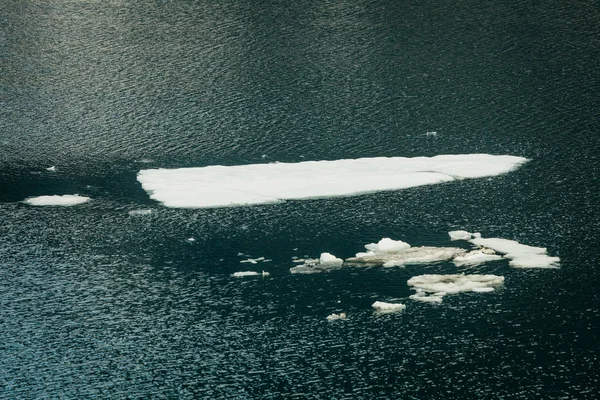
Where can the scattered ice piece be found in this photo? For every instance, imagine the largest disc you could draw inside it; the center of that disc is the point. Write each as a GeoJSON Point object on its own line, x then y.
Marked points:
{"type": "Point", "coordinates": [387, 245]}
{"type": "Point", "coordinates": [463, 235]}
{"type": "Point", "coordinates": [241, 254]}
{"type": "Point", "coordinates": [242, 274]}
{"type": "Point", "coordinates": [222, 186]}
{"type": "Point", "coordinates": [264, 273]}
{"type": "Point", "coordinates": [441, 285]}
{"type": "Point", "coordinates": [267, 260]}
{"type": "Point", "coordinates": [313, 265]}
{"type": "Point", "coordinates": [298, 260]}
{"type": "Point", "coordinates": [264, 156]}
{"type": "Point", "coordinates": [140, 212]}
{"type": "Point", "coordinates": [520, 255]}
{"type": "Point", "coordinates": [254, 260]}
{"type": "Point", "coordinates": [388, 307]}
{"type": "Point", "coordinates": [476, 257]}
{"type": "Point", "coordinates": [191, 239]}
{"type": "Point", "coordinates": [334, 316]}
{"type": "Point", "coordinates": [328, 258]}
{"type": "Point", "coordinates": [51, 169]}
{"type": "Point", "coordinates": [411, 255]}
{"type": "Point", "coordinates": [64, 200]}
{"type": "Point", "coordinates": [427, 298]}
{"type": "Point", "coordinates": [431, 133]}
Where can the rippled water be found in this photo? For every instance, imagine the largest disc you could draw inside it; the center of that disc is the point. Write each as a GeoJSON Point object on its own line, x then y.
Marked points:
{"type": "Point", "coordinates": [95, 302]}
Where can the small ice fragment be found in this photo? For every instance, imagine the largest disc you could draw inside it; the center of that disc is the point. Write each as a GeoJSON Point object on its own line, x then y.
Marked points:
{"type": "Point", "coordinates": [260, 259]}
{"type": "Point", "coordinates": [264, 156]}
{"type": "Point", "coordinates": [334, 316]}
{"type": "Point", "coordinates": [51, 169]}
{"type": "Point", "coordinates": [460, 235]}
{"type": "Point", "coordinates": [140, 212]}
{"type": "Point", "coordinates": [242, 274]}
{"type": "Point", "coordinates": [431, 133]}
{"type": "Point", "coordinates": [298, 260]}
{"type": "Point", "coordinates": [250, 260]}
{"type": "Point", "coordinates": [191, 239]}
{"type": "Point", "coordinates": [240, 254]}
{"type": "Point", "coordinates": [476, 257]}
{"type": "Point", "coordinates": [387, 245]}
{"type": "Point", "coordinates": [267, 260]}
{"type": "Point", "coordinates": [388, 307]}
{"type": "Point", "coordinates": [328, 258]}
{"type": "Point", "coordinates": [64, 200]}
{"type": "Point", "coordinates": [264, 273]}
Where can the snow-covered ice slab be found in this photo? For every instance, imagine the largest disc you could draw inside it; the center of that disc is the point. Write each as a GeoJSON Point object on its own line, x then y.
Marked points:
{"type": "Point", "coordinates": [432, 288]}
{"type": "Point", "coordinates": [520, 255]}
{"type": "Point", "coordinates": [221, 186]}
{"type": "Point", "coordinates": [64, 200]}
{"type": "Point", "coordinates": [384, 307]}
{"type": "Point", "coordinates": [390, 253]}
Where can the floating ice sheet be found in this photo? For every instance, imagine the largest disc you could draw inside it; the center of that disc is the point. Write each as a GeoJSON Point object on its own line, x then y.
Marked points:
{"type": "Point", "coordinates": [432, 288]}
{"type": "Point", "coordinates": [520, 255]}
{"type": "Point", "coordinates": [64, 200]}
{"type": "Point", "coordinates": [476, 257]}
{"type": "Point", "coordinates": [221, 186]}
{"type": "Point", "coordinates": [389, 253]}
{"type": "Point", "coordinates": [242, 274]}
{"type": "Point", "coordinates": [388, 307]}
{"type": "Point", "coordinates": [334, 316]}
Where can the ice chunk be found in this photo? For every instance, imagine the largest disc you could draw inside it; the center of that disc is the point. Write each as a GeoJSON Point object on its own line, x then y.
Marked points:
{"type": "Point", "coordinates": [51, 169]}
{"type": "Point", "coordinates": [264, 273]}
{"type": "Point", "coordinates": [333, 317]}
{"type": "Point", "coordinates": [242, 274]}
{"type": "Point", "coordinates": [476, 257]}
{"type": "Point", "coordinates": [441, 285]}
{"type": "Point", "coordinates": [427, 298]}
{"type": "Point", "coordinates": [314, 265]}
{"type": "Point", "coordinates": [328, 258]}
{"type": "Point", "coordinates": [64, 200]}
{"type": "Point", "coordinates": [254, 260]}
{"type": "Point", "coordinates": [387, 245]}
{"type": "Point", "coordinates": [411, 255]}
{"type": "Point", "coordinates": [388, 307]}
{"type": "Point", "coordinates": [463, 235]}
{"type": "Point", "coordinates": [520, 255]}
{"type": "Point", "coordinates": [140, 212]}
{"type": "Point", "coordinates": [221, 186]}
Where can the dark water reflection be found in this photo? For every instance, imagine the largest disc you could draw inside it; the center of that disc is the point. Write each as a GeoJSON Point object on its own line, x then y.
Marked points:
{"type": "Point", "coordinates": [97, 303]}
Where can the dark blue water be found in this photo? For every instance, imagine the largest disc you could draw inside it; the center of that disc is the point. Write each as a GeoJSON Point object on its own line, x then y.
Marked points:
{"type": "Point", "coordinates": [97, 303]}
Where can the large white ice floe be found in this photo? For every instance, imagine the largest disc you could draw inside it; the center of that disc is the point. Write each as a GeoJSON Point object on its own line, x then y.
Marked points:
{"type": "Point", "coordinates": [432, 288]}
{"type": "Point", "coordinates": [388, 307]}
{"type": "Point", "coordinates": [57, 200]}
{"type": "Point", "coordinates": [221, 186]}
{"type": "Point", "coordinates": [520, 255]}
{"type": "Point", "coordinates": [389, 253]}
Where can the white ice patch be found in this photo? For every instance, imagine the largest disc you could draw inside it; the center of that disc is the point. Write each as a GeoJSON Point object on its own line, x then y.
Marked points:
{"type": "Point", "coordinates": [328, 258]}
{"type": "Point", "coordinates": [254, 260]}
{"type": "Point", "coordinates": [242, 274]}
{"type": "Point", "coordinates": [390, 253]}
{"type": "Point", "coordinates": [140, 212]}
{"type": "Point", "coordinates": [64, 200]}
{"type": "Point", "coordinates": [388, 307]}
{"type": "Point", "coordinates": [476, 257]}
{"type": "Point", "coordinates": [387, 245]}
{"type": "Point", "coordinates": [334, 317]}
{"type": "Point", "coordinates": [432, 288]}
{"type": "Point", "coordinates": [221, 186]}
{"type": "Point", "coordinates": [463, 235]}
{"type": "Point", "coordinates": [325, 263]}
{"type": "Point", "coordinates": [520, 255]}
